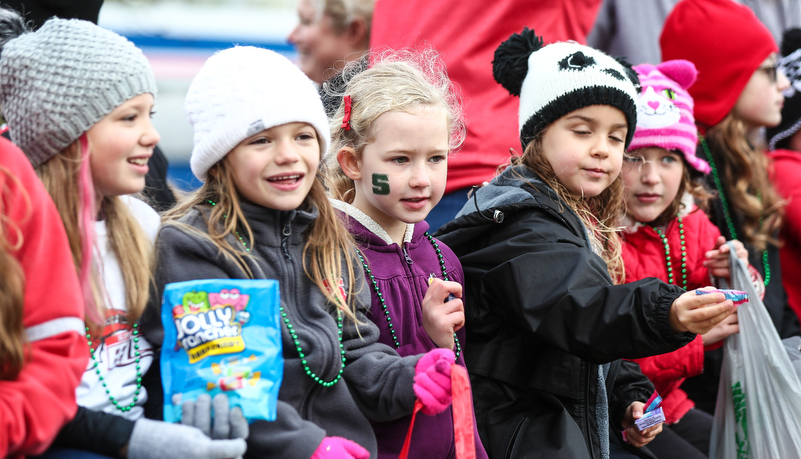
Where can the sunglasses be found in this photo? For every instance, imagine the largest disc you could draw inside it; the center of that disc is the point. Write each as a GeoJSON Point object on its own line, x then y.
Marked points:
{"type": "Point", "coordinates": [771, 71]}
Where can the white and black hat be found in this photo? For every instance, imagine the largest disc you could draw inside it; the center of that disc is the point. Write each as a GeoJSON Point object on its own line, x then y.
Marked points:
{"type": "Point", "coordinates": [556, 79]}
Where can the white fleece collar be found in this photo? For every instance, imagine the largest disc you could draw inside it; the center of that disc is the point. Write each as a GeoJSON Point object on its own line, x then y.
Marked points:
{"type": "Point", "coordinates": [369, 223]}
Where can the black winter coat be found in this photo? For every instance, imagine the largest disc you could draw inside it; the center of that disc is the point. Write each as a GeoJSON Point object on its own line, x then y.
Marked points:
{"type": "Point", "coordinates": [542, 314]}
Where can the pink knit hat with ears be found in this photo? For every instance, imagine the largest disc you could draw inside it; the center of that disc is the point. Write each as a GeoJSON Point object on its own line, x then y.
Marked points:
{"type": "Point", "coordinates": [665, 110]}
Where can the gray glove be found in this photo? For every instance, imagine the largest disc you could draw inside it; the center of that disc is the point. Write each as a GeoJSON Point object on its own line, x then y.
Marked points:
{"type": "Point", "coordinates": [190, 439]}
{"type": "Point", "coordinates": [228, 422]}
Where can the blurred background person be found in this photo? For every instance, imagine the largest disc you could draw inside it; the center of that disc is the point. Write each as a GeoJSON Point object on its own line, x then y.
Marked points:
{"type": "Point", "coordinates": [329, 34]}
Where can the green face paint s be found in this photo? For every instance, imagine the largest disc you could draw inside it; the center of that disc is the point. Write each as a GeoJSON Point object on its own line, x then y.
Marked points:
{"type": "Point", "coordinates": [380, 184]}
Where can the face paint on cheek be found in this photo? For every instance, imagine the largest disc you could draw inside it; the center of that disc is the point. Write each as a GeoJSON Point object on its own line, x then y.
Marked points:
{"type": "Point", "coordinates": [381, 184]}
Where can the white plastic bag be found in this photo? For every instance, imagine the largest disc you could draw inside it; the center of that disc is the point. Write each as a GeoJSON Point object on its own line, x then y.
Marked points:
{"type": "Point", "coordinates": [758, 411]}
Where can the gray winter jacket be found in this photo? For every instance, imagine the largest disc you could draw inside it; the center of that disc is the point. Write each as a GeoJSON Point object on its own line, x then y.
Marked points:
{"type": "Point", "coordinates": [376, 383]}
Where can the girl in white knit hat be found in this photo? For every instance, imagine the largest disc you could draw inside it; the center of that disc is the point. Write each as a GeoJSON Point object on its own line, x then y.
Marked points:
{"type": "Point", "coordinates": [78, 101]}
{"type": "Point", "coordinates": [262, 213]}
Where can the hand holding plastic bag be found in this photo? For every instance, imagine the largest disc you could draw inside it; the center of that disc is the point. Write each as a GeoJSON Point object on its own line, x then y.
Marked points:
{"type": "Point", "coordinates": [758, 411]}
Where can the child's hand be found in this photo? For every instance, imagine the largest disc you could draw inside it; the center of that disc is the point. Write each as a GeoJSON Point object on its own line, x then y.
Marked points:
{"type": "Point", "coordinates": [726, 327]}
{"type": "Point", "coordinates": [717, 259]}
{"type": "Point", "coordinates": [441, 318]}
{"type": "Point", "coordinates": [633, 434]}
{"type": "Point", "coordinates": [699, 313]}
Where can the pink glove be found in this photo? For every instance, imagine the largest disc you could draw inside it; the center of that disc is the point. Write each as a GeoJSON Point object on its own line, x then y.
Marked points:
{"type": "Point", "coordinates": [432, 380]}
{"type": "Point", "coordinates": [339, 448]}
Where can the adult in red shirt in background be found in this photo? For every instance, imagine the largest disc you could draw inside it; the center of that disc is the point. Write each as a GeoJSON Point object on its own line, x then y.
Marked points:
{"type": "Point", "coordinates": [42, 307]}
{"type": "Point", "coordinates": [467, 33]}
{"type": "Point", "coordinates": [785, 142]}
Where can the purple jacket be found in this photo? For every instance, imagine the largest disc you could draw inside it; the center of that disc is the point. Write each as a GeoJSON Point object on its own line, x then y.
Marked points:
{"type": "Point", "coordinates": [402, 276]}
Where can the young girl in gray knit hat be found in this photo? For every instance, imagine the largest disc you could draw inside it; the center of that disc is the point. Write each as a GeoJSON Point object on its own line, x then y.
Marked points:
{"type": "Point", "coordinates": [78, 102]}
{"type": "Point", "coordinates": [263, 213]}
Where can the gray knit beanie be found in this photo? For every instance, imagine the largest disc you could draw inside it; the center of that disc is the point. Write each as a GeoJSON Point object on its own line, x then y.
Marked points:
{"type": "Point", "coordinates": [59, 81]}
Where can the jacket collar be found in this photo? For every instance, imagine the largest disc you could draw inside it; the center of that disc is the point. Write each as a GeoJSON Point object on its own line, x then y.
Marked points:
{"type": "Point", "coordinates": [369, 230]}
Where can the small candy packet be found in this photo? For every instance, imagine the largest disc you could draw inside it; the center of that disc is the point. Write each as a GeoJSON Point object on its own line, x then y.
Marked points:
{"type": "Point", "coordinates": [737, 296]}
{"type": "Point", "coordinates": [222, 335]}
{"type": "Point", "coordinates": [652, 415]}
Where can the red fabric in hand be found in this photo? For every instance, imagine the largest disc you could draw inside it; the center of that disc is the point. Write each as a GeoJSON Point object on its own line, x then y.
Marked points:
{"type": "Point", "coordinates": [339, 448]}
{"type": "Point", "coordinates": [432, 380]}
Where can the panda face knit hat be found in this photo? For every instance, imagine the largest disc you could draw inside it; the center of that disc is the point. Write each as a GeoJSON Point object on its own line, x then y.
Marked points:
{"type": "Point", "coordinates": [559, 78]}
{"type": "Point", "coordinates": [242, 91]}
{"type": "Point", "coordinates": [726, 42]}
{"type": "Point", "coordinates": [59, 81]}
{"type": "Point", "coordinates": [665, 110]}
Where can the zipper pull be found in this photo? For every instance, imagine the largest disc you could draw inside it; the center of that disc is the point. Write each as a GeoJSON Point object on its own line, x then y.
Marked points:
{"type": "Point", "coordinates": [406, 255]}
{"type": "Point", "coordinates": [286, 232]}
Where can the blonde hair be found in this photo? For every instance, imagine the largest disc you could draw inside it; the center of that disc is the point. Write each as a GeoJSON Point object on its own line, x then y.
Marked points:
{"type": "Point", "coordinates": [12, 287]}
{"type": "Point", "coordinates": [743, 173]}
{"type": "Point", "coordinates": [599, 214]}
{"type": "Point", "coordinates": [396, 81]}
{"type": "Point", "coordinates": [126, 238]}
{"type": "Point", "coordinates": [327, 240]}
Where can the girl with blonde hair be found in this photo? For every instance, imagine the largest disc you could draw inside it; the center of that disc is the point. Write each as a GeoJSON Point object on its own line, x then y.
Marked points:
{"type": "Point", "coordinates": [78, 100]}
{"type": "Point", "coordinates": [398, 123]}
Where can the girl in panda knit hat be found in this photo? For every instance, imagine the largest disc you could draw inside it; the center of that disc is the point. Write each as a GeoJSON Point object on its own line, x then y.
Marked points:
{"type": "Point", "coordinates": [263, 213]}
{"type": "Point", "coordinates": [546, 322]}
{"type": "Point", "coordinates": [78, 102]}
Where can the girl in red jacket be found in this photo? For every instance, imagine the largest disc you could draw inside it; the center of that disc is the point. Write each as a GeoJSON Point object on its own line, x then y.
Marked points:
{"type": "Point", "coordinates": [43, 351]}
{"type": "Point", "coordinates": [669, 237]}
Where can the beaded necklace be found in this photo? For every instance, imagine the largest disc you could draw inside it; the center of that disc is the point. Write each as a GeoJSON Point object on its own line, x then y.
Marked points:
{"type": "Point", "coordinates": [241, 239]}
{"type": "Point", "coordinates": [725, 205]}
{"type": "Point", "coordinates": [295, 339]}
{"type": "Point", "coordinates": [668, 258]}
{"type": "Point", "coordinates": [111, 398]}
{"type": "Point", "coordinates": [380, 295]}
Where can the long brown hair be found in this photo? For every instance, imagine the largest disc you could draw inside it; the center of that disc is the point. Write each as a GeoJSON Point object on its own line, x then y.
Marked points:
{"type": "Point", "coordinates": [743, 174]}
{"type": "Point", "coordinates": [329, 247]}
{"type": "Point", "coordinates": [12, 284]}
{"type": "Point", "coordinates": [599, 214]}
{"type": "Point", "coordinates": [126, 238]}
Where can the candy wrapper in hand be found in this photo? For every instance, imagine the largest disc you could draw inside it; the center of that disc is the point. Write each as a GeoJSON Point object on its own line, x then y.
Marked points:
{"type": "Point", "coordinates": [652, 415]}
{"type": "Point", "coordinates": [737, 296]}
{"type": "Point", "coordinates": [222, 335]}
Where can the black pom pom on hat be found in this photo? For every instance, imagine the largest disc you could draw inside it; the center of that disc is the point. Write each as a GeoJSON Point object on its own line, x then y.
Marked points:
{"type": "Point", "coordinates": [510, 63]}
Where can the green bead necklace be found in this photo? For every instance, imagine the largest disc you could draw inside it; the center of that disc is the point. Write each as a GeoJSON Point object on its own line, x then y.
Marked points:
{"type": "Point", "coordinates": [302, 355]}
{"type": "Point", "coordinates": [380, 295]}
{"type": "Point", "coordinates": [294, 335]}
{"type": "Point", "coordinates": [111, 398]}
{"type": "Point", "coordinates": [241, 239]}
{"type": "Point", "coordinates": [725, 204]}
{"type": "Point", "coordinates": [668, 258]}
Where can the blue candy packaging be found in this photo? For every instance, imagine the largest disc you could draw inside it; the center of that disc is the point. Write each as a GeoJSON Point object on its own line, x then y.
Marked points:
{"type": "Point", "coordinates": [222, 335]}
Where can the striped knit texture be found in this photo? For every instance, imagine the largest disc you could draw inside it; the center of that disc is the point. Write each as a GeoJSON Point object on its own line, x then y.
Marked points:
{"type": "Point", "coordinates": [665, 110]}
{"type": "Point", "coordinates": [59, 81]}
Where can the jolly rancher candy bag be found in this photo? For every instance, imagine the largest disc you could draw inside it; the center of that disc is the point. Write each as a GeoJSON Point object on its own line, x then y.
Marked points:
{"type": "Point", "coordinates": [222, 335]}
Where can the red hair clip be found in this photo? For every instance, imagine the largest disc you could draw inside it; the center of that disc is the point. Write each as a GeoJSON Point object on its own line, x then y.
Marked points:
{"type": "Point", "coordinates": [348, 106]}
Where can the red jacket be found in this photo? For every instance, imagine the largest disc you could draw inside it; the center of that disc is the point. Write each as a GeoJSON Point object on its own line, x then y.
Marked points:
{"type": "Point", "coordinates": [35, 406]}
{"type": "Point", "coordinates": [644, 256]}
{"type": "Point", "coordinates": [467, 33]}
{"type": "Point", "coordinates": [785, 170]}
